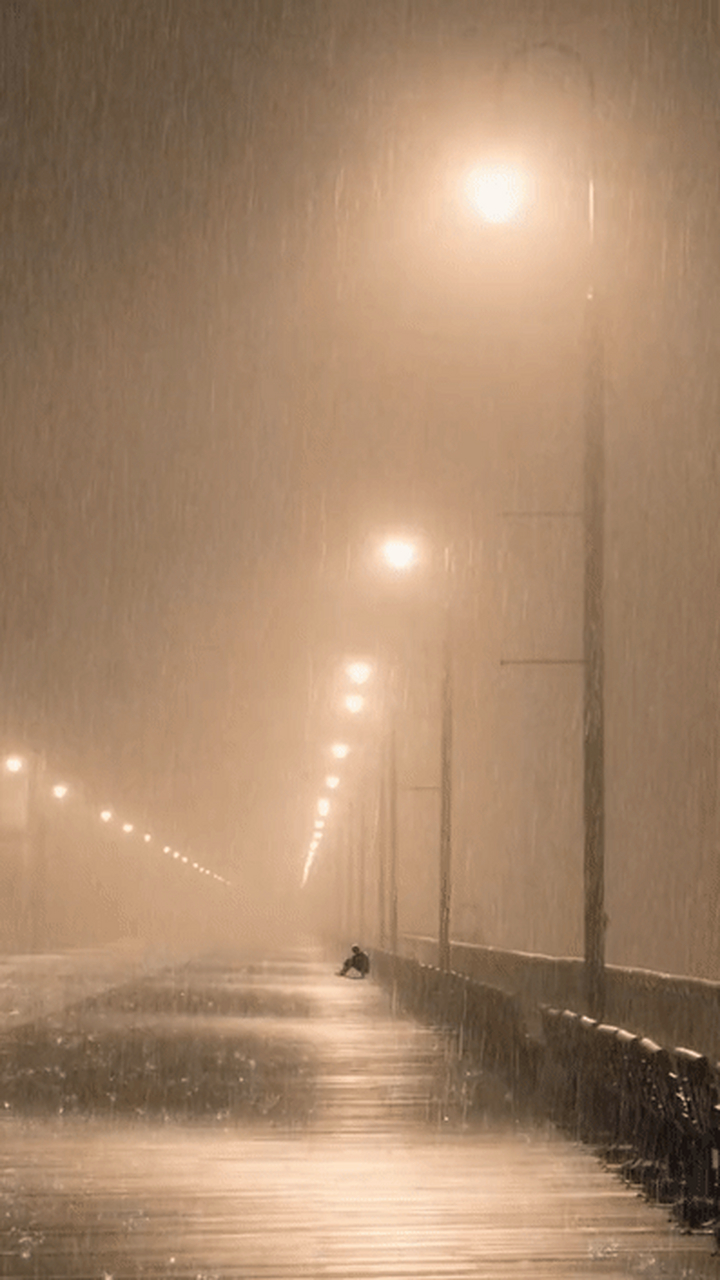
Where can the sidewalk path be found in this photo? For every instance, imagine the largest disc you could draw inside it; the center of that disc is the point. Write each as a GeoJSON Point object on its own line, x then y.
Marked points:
{"type": "Point", "coordinates": [381, 1177]}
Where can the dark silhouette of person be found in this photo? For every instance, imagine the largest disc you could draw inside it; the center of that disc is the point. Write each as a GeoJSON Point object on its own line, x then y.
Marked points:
{"type": "Point", "coordinates": [358, 961]}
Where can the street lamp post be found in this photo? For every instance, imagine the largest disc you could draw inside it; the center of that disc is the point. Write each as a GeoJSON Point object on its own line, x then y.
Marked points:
{"type": "Point", "coordinates": [402, 555]}
{"type": "Point", "coordinates": [594, 660]}
{"type": "Point", "coordinates": [445, 869]}
{"type": "Point", "coordinates": [392, 843]}
{"type": "Point", "coordinates": [594, 919]}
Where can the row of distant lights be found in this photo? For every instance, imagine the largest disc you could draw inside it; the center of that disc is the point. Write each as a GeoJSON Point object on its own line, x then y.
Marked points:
{"type": "Point", "coordinates": [399, 555]}
{"type": "Point", "coordinates": [16, 764]}
{"type": "Point", "coordinates": [359, 673]}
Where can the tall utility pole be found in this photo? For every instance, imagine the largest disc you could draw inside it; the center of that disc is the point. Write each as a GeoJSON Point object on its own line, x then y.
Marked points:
{"type": "Point", "coordinates": [593, 657]}
{"type": "Point", "coordinates": [382, 852]}
{"type": "Point", "coordinates": [392, 843]}
{"type": "Point", "coordinates": [361, 858]}
{"type": "Point", "coordinates": [349, 860]}
{"type": "Point", "coordinates": [445, 867]}
{"type": "Point", "coordinates": [594, 641]}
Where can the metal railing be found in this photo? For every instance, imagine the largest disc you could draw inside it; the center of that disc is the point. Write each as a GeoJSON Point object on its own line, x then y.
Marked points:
{"type": "Point", "coordinates": [652, 1112]}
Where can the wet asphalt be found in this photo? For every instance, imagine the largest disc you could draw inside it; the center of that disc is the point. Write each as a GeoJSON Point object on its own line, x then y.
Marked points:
{"type": "Point", "coordinates": [266, 1120]}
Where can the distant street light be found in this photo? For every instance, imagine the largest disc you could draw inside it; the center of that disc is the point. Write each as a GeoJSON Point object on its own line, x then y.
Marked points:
{"type": "Point", "coordinates": [399, 553]}
{"type": "Point", "coordinates": [106, 815]}
{"type": "Point", "coordinates": [332, 782]}
{"type": "Point", "coordinates": [147, 837]}
{"type": "Point", "coordinates": [60, 791]}
{"type": "Point", "coordinates": [128, 827]}
{"type": "Point", "coordinates": [340, 750]}
{"type": "Point", "coordinates": [323, 806]}
{"type": "Point", "coordinates": [498, 193]}
{"type": "Point", "coordinates": [359, 672]}
{"type": "Point", "coordinates": [14, 764]}
{"type": "Point", "coordinates": [354, 703]}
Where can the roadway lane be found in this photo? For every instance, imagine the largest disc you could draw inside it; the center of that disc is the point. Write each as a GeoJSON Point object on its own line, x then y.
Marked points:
{"type": "Point", "coordinates": [269, 1121]}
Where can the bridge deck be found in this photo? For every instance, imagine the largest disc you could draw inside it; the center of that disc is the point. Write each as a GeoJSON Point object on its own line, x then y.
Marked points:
{"type": "Point", "coordinates": [357, 1154]}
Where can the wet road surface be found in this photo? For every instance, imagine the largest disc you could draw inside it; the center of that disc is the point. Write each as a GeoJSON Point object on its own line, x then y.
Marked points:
{"type": "Point", "coordinates": [272, 1122]}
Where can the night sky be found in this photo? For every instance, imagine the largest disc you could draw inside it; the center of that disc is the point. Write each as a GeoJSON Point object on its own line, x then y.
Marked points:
{"type": "Point", "coordinates": [244, 324]}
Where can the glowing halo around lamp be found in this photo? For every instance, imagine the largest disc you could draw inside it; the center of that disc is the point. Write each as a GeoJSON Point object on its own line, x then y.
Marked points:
{"type": "Point", "coordinates": [399, 553]}
{"type": "Point", "coordinates": [359, 672]}
{"type": "Point", "coordinates": [498, 193]}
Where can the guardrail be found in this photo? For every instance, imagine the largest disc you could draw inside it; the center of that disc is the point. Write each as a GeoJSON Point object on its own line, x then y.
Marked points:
{"type": "Point", "coordinates": [652, 1112]}
{"type": "Point", "coordinates": [669, 1008]}
{"type": "Point", "coordinates": [487, 1021]}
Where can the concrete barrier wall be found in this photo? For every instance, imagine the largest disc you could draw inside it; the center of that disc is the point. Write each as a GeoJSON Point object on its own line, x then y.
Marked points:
{"type": "Point", "coordinates": [673, 1010]}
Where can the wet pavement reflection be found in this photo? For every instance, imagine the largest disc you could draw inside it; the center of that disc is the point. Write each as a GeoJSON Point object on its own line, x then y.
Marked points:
{"type": "Point", "coordinates": [270, 1121]}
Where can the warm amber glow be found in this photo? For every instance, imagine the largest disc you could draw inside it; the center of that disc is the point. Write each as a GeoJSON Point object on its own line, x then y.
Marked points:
{"type": "Point", "coordinates": [498, 193]}
{"type": "Point", "coordinates": [106, 815]}
{"type": "Point", "coordinates": [359, 672]}
{"type": "Point", "coordinates": [14, 764]}
{"type": "Point", "coordinates": [340, 750]}
{"type": "Point", "coordinates": [332, 782]}
{"type": "Point", "coordinates": [354, 702]}
{"type": "Point", "coordinates": [323, 807]}
{"type": "Point", "coordinates": [127, 827]}
{"type": "Point", "coordinates": [399, 553]}
{"type": "Point", "coordinates": [60, 791]}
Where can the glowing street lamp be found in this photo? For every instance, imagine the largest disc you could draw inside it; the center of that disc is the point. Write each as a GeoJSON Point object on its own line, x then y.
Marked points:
{"type": "Point", "coordinates": [14, 764]}
{"type": "Point", "coordinates": [497, 193]}
{"type": "Point", "coordinates": [147, 837]}
{"type": "Point", "coordinates": [323, 807]}
{"type": "Point", "coordinates": [340, 750]}
{"type": "Point", "coordinates": [399, 553]}
{"type": "Point", "coordinates": [499, 199]}
{"type": "Point", "coordinates": [128, 827]}
{"type": "Point", "coordinates": [60, 791]}
{"type": "Point", "coordinates": [359, 672]}
{"type": "Point", "coordinates": [332, 782]}
{"type": "Point", "coordinates": [354, 703]}
{"type": "Point", "coordinates": [106, 815]}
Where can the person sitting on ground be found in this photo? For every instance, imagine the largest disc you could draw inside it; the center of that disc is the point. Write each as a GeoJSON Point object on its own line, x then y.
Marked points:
{"type": "Point", "coordinates": [358, 961]}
